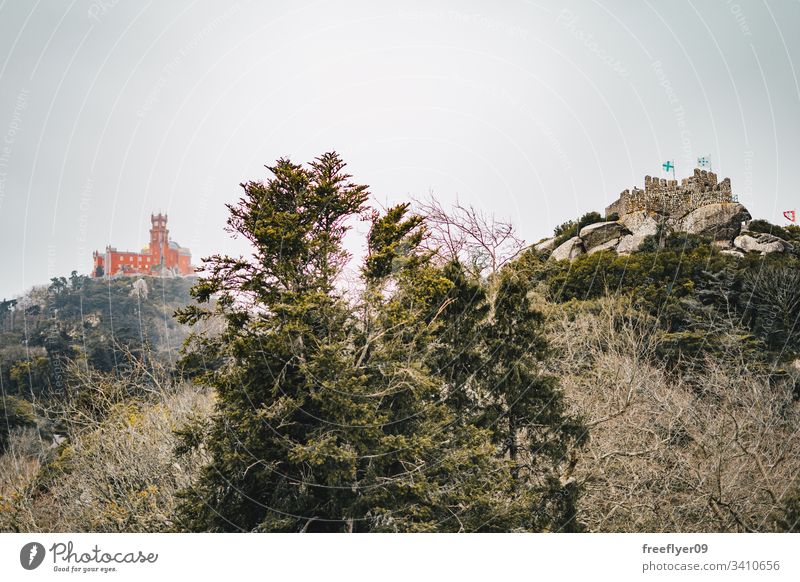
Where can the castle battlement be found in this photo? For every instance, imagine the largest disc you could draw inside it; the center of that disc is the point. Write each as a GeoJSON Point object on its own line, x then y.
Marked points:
{"type": "Point", "coordinates": [673, 198]}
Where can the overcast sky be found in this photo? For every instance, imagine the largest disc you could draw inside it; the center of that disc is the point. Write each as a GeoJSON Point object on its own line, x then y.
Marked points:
{"type": "Point", "coordinates": [537, 111]}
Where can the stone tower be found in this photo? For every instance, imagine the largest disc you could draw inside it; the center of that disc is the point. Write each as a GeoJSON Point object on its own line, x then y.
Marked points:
{"type": "Point", "coordinates": [159, 238]}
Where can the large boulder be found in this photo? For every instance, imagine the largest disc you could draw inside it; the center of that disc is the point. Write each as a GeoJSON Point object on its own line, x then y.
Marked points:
{"type": "Point", "coordinates": [606, 246]}
{"type": "Point", "coordinates": [546, 245]}
{"type": "Point", "coordinates": [569, 250]}
{"type": "Point", "coordinates": [640, 222]}
{"type": "Point", "coordinates": [630, 243]}
{"type": "Point", "coordinates": [720, 221]}
{"type": "Point", "coordinates": [760, 243]}
{"type": "Point", "coordinates": [599, 233]}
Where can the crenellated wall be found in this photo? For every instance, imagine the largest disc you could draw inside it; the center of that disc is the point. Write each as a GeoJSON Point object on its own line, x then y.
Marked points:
{"type": "Point", "coordinates": [673, 198]}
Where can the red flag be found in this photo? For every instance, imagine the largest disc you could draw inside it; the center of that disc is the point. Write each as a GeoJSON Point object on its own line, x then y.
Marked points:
{"type": "Point", "coordinates": [789, 215]}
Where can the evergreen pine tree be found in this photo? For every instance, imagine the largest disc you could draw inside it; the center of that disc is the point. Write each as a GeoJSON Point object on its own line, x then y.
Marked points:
{"type": "Point", "coordinates": [329, 416]}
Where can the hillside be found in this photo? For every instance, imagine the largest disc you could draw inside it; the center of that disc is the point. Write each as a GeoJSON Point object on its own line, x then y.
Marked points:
{"type": "Point", "coordinates": [468, 382]}
{"type": "Point", "coordinates": [677, 338]}
{"type": "Point", "coordinates": [100, 323]}
{"type": "Point", "coordinates": [640, 219]}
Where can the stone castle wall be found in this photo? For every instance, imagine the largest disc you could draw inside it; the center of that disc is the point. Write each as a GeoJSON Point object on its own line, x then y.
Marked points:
{"type": "Point", "coordinates": [673, 198]}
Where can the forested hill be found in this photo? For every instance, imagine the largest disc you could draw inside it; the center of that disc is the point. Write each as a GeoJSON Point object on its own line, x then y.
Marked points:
{"type": "Point", "coordinates": [465, 381]}
{"type": "Point", "coordinates": [99, 322]}
{"type": "Point", "coordinates": [696, 286]}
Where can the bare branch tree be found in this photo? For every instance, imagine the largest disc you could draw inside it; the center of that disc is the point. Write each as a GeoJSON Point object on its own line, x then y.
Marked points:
{"type": "Point", "coordinates": [481, 242]}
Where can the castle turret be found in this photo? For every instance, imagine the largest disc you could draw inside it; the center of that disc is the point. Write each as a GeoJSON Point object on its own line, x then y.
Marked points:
{"type": "Point", "coordinates": [159, 238]}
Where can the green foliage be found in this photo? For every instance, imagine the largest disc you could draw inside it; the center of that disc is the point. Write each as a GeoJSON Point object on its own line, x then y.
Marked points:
{"type": "Point", "coordinates": [567, 229]}
{"type": "Point", "coordinates": [760, 225]}
{"type": "Point", "coordinates": [522, 399]}
{"type": "Point", "coordinates": [340, 413]}
{"type": "Point", "coordinates": [31, 376]}
{"type": "Point", "coordinates": [793, 232]}
{"type": "Point", "coordinates": [650, 244]}
{"type": "Point", "coordinates": [680, 346]}
{"type": "Point", "coordinates": [691, 287]}
{"type": "Point", "coordinates": [771, 297]}
{"type": "Point", "coordinates": [459, 356]}
{"type": "Point", "coordinates": [589, 218]}
{"type": "Point", "coordinates": [685, 242]}
{"type": "Point", "coordinates": [390, 239]}
{"type": "Point", "coordinates": [89, 319]}
{"type": "Point", "coordinates": [657, 277]}
{"type": "Point", "coordinates": [677, 241]}
{"type": "Point", "coordinates": [491, 351]}
{"type": "Point", "coordinates": [14, 413]}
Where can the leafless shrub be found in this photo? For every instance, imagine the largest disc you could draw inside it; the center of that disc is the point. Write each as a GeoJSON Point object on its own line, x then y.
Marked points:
{"type": "Point", "coordinates": [115, 469]}
{"type": "Point", "coordinates": [712, 451]}
{"type": "Point", "coordinates": [123, 476]}
{"type": "Point", "coordinates": [19, 466]}
{"type": "Point", "coordinates": [92, 395]}
{"type": "Point", "coordinates": [483, 244]}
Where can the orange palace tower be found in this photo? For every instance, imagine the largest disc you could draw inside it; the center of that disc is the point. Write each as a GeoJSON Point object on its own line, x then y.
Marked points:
{"type": "Point", "coordinates": [161, 256]}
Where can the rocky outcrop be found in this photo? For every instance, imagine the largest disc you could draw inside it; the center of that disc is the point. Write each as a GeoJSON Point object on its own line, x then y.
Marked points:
{"type": "Point", "coordinates": [546, 245]}
{"type": "Point", "coordinates": [640, 223]}
{"type": "Point", "coordinates": [599, 233]}
{"type": "Point", "coordinates": [606, 246]}
{"type": "Point", "coordinates": [569, 250]}
{"type": "Point", "coordinates": [725, 223]}
{"type": "Point", "coordinates": [630, 243]}
{"type": "Point", "coordinates": [760, 243]}
{"type": "Point", "coordinates": [720, 221]}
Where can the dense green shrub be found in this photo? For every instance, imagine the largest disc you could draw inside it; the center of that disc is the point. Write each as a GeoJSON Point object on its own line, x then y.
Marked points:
{"type": "Point", "coordinates": [760, 225]}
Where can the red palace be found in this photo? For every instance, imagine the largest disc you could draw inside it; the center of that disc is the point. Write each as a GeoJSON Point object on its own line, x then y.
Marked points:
{"type": "Point", "coordinates": [161, 256]}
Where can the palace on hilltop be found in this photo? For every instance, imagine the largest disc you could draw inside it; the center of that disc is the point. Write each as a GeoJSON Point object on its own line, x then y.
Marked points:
{"type": "Point", "coordinates": [161, 257]}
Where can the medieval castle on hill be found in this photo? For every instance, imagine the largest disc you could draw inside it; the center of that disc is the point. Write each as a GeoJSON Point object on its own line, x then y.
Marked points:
{"type": "Point", "coordinates": [671, 198]}
{"type": "Point", "coordinates": [161, 256]}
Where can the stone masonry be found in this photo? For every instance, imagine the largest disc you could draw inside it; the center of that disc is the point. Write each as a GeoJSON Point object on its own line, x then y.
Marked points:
{"type": "Point", "coordinates": [672, 198]}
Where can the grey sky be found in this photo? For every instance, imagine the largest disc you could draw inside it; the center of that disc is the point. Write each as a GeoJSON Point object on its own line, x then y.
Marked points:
{"type": "Point", "coordinates": [539, 111]}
